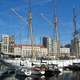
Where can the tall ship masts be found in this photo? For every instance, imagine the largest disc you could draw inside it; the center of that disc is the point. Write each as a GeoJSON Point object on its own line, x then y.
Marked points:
{"type": "Point", "coordinates": [30, 28]}
{"type": "Point", "coordinates": [56, 32]}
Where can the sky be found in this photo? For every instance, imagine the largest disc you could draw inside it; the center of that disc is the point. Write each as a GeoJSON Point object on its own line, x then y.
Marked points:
{"type": "Point", "coordinates": [12, 25]}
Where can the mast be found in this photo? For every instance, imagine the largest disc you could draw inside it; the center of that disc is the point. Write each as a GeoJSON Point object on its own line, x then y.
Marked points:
{"type": "Point", "coordinates": [56, 31]}
{"type": "Point", "coordinates": [74, 34]}
{"type": "Point", "coordinates": [74, 22]}
{"type": "Point", "coordinates": [30, 28]}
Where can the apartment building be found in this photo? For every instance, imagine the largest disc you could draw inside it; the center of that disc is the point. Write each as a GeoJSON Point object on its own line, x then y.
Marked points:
{"type": "Point", "coordinates": [51, 45]}
{"type": "Point", "coordinates": [26, 50]}
{"type": "Point", "coordinates": [6, 43]}
{"type": "Point", "coordinates": [75, 45]}
{"type": "Point", "coordinates": [65, 51]}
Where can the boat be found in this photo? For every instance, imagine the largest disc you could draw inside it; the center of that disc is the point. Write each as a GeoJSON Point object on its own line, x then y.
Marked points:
{"type": "Point", "coordinates": [73, 67]}
{"type": "Point", "coordinates": [47, 70]}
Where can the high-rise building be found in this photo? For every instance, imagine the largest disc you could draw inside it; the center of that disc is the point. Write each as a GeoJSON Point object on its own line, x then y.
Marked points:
{"type": "Point", "coordinates": [54, 47]}
{"type": "Point", "coordinates": [75, 45]}
{"type": "Point", "coordinates": [65, 51]}
{"type": "Point", "coordinates": [51, 45]}
{"type": "Point", "coordinates": [79, 47]}
{"type": "Point", "coordinates": [45, 41]}
{"type": "Point", "coordinates": [7, 42]}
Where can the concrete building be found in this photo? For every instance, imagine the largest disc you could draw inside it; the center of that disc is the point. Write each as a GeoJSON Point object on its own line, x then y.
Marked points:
{"type": "Point", "coordinates": [54, 47]}
{"type": "Point", "coordinates": [43, 51]}
{"type": "Point", "coordinates": [6, 43]}
{"type": "Point", "coordinates": [51, 45]}
{"type": "Point", "coordinates": [17, 50]}
{"type": "Point", "coordinates": [75, 45]}
{"type": "Point", "coordinates": [26, 51]}
{"type": "Point", "coordinates": [65, 51]}
{"type": "Point", "coordinates": [79, 47]}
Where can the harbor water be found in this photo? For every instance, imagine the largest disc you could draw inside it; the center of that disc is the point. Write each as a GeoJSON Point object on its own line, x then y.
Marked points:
{"type": "Point", "coordinates": [64, 76]}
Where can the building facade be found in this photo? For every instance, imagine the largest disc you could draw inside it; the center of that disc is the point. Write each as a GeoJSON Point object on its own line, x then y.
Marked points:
{"type": "Point", "coordinates": [65, 51]}
{"type": "Point", "coordinates": [51, 45]}
{"type": "Point", "coordinates": [26, 51]}
{"type": "Point", "coordinates": [6, 44]}
{"type": "Point", "coordinates": [75, 45]}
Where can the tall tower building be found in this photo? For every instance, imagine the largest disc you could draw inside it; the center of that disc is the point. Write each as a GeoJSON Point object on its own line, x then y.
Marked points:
{"type": "Point", "coordinates": [75, 46]}
{"type": "Point", "coordinates": [51, 45]}
{"type": "Point", "coordinates": [75, 43]}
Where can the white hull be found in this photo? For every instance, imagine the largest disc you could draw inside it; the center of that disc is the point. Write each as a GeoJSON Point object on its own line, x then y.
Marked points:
{"type": "Point", "coordinates": [28, 63]}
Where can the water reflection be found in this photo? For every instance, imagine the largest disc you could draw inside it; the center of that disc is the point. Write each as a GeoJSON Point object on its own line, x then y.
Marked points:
{"type": "Point", "coordinates": [43, 78]}
{"type": "Point", "coordinates": [65, 76]}
{"type": "Point", "coordinates": [76, 76]}
{"type": "Point", "coordinates": [71, 76]}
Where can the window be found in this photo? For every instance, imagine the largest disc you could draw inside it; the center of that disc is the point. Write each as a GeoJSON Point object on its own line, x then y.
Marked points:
{"type": "Point", "coordinates": [5, 40]}
{"type": "Point", "coordinates": [4, 48]}
{"type": "Point", "coordinates": [0, 38]}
